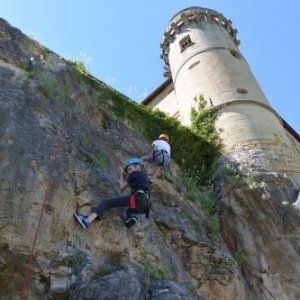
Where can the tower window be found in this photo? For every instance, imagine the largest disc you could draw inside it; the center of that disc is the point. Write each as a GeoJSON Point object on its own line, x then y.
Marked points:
{"type": "Point", "coordinates": [185, 42]}
{"type": "Point", "coordinates": [242, 91]}
{"type": "Point", "coordinates": [235, 53]}
{"type": "Point", "coordinates": [194, 64]}
{"type": "Point", "coordinates": [176, 115]}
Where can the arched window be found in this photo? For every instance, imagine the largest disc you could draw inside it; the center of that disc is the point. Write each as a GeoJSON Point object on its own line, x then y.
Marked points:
{"type": "Point", "coordinates": [185, 43]}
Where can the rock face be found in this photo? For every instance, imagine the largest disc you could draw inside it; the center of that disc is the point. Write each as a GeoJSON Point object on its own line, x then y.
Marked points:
{"type": "Point", "coordinates": [261, 224]}
{"type": "Point", "coordinates": [60, 149]}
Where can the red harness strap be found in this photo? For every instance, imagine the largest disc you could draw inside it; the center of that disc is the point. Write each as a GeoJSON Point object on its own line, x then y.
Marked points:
{"type": "Point", "coordinates": [132, 201]}
{"type": "Point", "coordinates": [152, 157]}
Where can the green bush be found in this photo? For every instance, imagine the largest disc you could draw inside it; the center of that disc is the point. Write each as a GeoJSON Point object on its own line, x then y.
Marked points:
{"type": "Point", "coordinates": [97, 158]}
{"type": "Point", "coordinates": [208, 200]}
{"type": "Point", "coordinates": [195, 153]}
{"type": "Point", "coordinates": [194, 149]}
{"type": "Point", "coordinates": [203, 121]}
{"type": "Point", "coordinates": [214, 226]}
{"type": "Point", "coordinates": [46, 84]}
{"type": "Point", "coordinates": [79, 66]}
{"type": "Point", "coordinates": [202, 194]}
{"type": "Point", "coordinates": [152, 268]}
{"type": "Point", "coordinates": [240, 257]}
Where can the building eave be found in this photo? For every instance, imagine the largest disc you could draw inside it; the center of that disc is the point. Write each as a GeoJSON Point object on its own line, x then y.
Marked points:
{"type": "Point", "coordinates": [168, 81]}
{"type": "Point", "coordinates": [157, 91]}
{"type": "Point", "coordinates": [291, 130]}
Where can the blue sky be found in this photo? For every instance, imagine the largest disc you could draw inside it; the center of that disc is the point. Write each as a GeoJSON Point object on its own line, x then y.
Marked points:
{"type": "Point", "coordinates": [119, 40]}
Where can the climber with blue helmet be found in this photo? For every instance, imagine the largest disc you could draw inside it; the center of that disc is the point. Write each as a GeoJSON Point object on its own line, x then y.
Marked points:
{"type": "Point", "coordinates": [137, 202]}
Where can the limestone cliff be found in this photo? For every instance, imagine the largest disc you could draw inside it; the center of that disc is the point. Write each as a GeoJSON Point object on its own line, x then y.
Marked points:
{"type": "Point", "coordinates": [62, 143]}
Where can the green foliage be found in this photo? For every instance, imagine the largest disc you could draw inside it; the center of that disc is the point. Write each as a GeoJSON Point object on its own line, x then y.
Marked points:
{"type": "Point", "coordinates": [194, 149]}
{"type": "Point", "coordinates": [62, 92]}
{"type": "Point", "coordinates": [79, 66]}
{"type": "Point", "coordinates": [203, 121]}
{"type": "Point", "coordinates": [46, 84]}
{"type": "Point", "coordinates": [86, 77]}
{"type": "Point", "coordinates": [26, 66]}
{"type": "Point", "coordinates": [240, 257]}
{"type": "Point", "coordinates": [194, 153]}
{"type": "Point", "coordinates": [249, 181]}
{"type": "Point", "coordinates": [97, 158]}
{"type": "Point", "coordinates": [3, 35]}
{"type": "Point", "coordinates": [100, 273]}
{"type": "Point", "coordinates": [285, 203]}
{"type": "Point", "coordinates": [229, 170]}
{"type": "Point", "coordinates": [263, 184]}
{"type": "Point", "coordinates": [202, 194]}
{"type": "Point", "coordinates": [214, 226]}
{"type": "Point", "coordinates": [208, 200]}
{"type": "Point", "coordinates": [193, 192]}
{"type": "Point", "coordinates": [152, 268]}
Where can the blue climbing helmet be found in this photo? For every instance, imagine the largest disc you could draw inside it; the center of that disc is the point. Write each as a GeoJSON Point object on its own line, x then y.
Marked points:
{"type": "Point", "coordinates": [132, 161]}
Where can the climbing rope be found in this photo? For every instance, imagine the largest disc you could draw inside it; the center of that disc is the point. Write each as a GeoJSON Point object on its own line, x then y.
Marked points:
{"type": "Point", "coordinates": [28, 269]}
{"type": "Point", "coordinates": [260, 285]}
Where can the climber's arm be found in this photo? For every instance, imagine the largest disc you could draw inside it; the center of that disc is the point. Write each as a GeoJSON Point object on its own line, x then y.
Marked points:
{"type": "Point", "coordinates": [123, 182]}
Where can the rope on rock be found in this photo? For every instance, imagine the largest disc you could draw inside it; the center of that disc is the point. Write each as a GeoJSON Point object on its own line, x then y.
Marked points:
{"type": "Point", "coordinates": [260, 285]}
{"type": "Point", "coordinates": [28, 269]}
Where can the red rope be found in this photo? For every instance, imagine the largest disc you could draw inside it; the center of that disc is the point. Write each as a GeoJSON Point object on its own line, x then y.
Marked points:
{"type": "Point", "coordinates": [28, 270]}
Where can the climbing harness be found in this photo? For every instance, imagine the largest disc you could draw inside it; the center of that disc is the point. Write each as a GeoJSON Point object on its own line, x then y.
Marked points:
{"type": "Point", "coordinates": [157, 153]}
{"type": "Point", "coordinates": [132, 201]}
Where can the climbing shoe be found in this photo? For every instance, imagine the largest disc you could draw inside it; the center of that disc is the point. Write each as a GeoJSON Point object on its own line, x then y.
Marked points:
{"type": "Point", "coordinates": [82, 220]}
{"type": "Point", "coordinates": [131, 221]}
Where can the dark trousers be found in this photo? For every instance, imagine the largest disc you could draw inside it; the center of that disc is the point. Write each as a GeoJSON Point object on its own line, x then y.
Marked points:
{"type": "Point", "coordinates": [141, 205]}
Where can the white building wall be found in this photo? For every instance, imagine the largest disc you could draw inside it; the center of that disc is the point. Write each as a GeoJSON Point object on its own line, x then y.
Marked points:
{"type": "Point", "coordinates": [166, 101]}
{"type": "Point", "coordinates": [212, 66]}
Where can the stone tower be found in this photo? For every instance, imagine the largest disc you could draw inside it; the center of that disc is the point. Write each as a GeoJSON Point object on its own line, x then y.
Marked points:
{"type": "Point", "coordinates": [201, 55]}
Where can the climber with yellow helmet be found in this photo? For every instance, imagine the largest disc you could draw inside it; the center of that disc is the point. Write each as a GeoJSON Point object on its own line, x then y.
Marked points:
{"type": "Point", "coordinates": [160, 155]}
{"type": "Point", "coordinates": [137, 202]}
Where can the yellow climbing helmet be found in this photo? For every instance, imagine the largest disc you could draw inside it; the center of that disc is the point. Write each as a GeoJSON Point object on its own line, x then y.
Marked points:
{"type": "Point", "coordinates": [164, 136]}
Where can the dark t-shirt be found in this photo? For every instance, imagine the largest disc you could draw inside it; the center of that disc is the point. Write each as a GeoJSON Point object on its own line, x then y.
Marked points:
{"type": "Point", "coordinates": [138, 180]}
